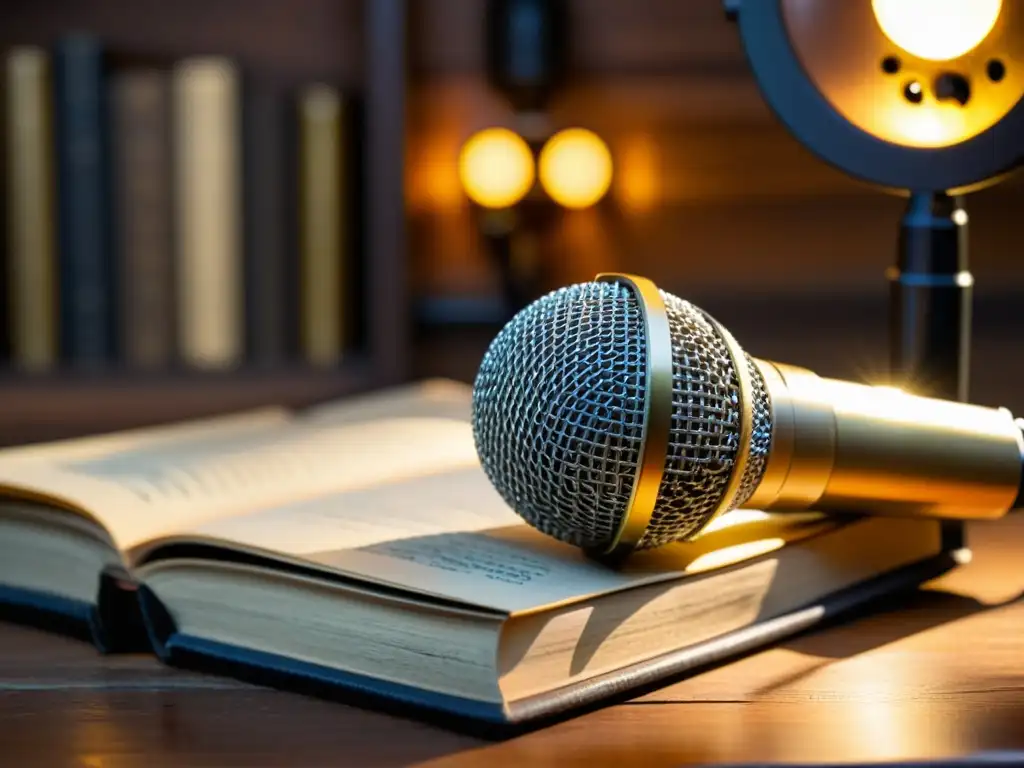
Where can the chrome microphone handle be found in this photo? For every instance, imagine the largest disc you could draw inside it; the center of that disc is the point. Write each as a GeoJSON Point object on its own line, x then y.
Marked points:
{"type": "Point", "coordinates": [840, 445]}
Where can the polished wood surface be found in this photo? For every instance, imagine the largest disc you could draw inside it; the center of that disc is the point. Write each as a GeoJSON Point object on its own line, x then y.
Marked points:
{"type": "Point", "coordinates": [938, 673]}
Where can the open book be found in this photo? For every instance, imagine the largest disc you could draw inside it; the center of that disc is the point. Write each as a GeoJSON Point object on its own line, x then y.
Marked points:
{"type": "Point", "coordinates": [359, 544]}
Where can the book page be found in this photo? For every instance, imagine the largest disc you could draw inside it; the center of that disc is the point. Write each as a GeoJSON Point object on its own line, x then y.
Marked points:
{"type": "Point", "coordinates": [451, 535]}
{"type": "Point", "coordinates": [126, 441]}
{"type": "Point", "coordinates": [163, 487]}
{"type": "Point", "coordinates": [439, 398]}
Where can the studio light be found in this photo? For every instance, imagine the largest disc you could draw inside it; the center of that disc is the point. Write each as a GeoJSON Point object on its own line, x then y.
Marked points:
{"type": "Point", "coordinates": [905, 94]}
{"type": "Point", "coordinates": [496, 168]}
{"type": "Point", "coordinates": [575, 168]}
{"type": "Point", "coordinates": [937, 30]}
{"type": "Point", "coordinates": [922, 98]}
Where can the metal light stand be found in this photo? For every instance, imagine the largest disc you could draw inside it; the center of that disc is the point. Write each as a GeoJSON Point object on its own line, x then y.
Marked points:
{"type": "Point", "coordinates": [931, 295]}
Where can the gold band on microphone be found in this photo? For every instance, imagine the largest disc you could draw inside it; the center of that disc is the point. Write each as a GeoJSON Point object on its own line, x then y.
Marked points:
{"type": "Point", "coordinates": [657, 421]}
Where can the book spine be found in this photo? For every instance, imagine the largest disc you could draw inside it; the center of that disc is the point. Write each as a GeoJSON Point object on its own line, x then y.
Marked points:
{"type": "Point", "coordinates": [268, 221]}
{"type": "Point", "coordinates": [140, 107]}
{"type": "Point", "coordinates": [31, 219]}
{"type": "Point", "coordinates": [322, 225]}
{"type": "Point", "coordinates": [210, 312]}
{"type": "Point", "coordinates": [86, 261]}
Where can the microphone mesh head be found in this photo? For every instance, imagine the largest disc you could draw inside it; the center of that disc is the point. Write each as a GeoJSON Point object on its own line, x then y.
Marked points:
{"type": "Point", "coordinates": [558, 411]}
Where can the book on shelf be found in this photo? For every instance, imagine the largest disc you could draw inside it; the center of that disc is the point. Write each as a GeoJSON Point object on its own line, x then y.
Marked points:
{"type": "Point", "coordinates": [31, 296]}
{"type": "Point", "coordinates": [168, 211]}
{"type": "Point", "coordinates": [358, 546]}
{"type": "Point", "coordinates": [140, 102]}
{"type": "Point", "coordinates": [270, 148]}
{"type": "Point", "coordinates": [86, 285]}
{"type": "Point", "coordinates": [323, 239]}
{"type": "Point", "coordinates": [208, 207]}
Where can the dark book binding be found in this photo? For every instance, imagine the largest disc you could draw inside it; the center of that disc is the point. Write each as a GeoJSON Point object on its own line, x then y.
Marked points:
{"type": "Point", "coordinates": [141, 180]}
{"type": "Point", "coordinates": [114, 623]}
{"type": "Point", "coordinates": [6, 256]}
{"type": "Point", "coordinates": [492, 720]}
{"type": "Point", "coordinates": [83, 193]}
{"type": "Point", "coordinates": [270, 219]}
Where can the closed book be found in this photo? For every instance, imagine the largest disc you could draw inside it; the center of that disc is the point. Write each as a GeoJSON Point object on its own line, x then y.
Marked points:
{"type": "Point", "coordinates": [140, 107]}
{"type": "Point", "coordinates": [324, 218]}
{"type": "Point", "coordinates": [358, 549]}
{"type": "Point", "coordinates": [87, 275]}
{"type": "Point", "coordinates": [208, 213]}
{"type": "Point", "coordinates": [31, 221]}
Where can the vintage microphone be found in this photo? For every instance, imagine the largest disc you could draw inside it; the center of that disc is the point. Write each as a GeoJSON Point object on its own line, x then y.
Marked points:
{"type": "Point", "coordinates": [615, 416]}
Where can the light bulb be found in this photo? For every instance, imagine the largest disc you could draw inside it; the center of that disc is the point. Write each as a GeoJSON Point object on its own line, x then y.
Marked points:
{"type": "Point", "coordinates": [575, 168]}
{"type": "Point", "coordinates": [496, 168]}
{"type": "Point", "coordinates": [937, 30]}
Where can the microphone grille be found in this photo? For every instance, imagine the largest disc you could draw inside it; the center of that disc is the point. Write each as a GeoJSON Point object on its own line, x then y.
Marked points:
{"type": "Point", "coordinates": [559, 407]}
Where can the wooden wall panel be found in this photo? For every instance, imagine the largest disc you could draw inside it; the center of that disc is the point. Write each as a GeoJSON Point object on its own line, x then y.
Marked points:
{"type": "Point", "coordinates": [609, 36]}
{"type": "Point", "coordinates": [711, 192]}
{"type": "Point", "coordinates": [304, 39]}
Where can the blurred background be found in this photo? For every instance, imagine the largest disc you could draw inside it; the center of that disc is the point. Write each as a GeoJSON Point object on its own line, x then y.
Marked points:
{"type": "Point", "coordinates": [217, 204]}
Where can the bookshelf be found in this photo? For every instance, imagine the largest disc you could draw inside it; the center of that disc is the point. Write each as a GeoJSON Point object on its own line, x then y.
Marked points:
{"type": "Point", "coordinates": [358, 46]}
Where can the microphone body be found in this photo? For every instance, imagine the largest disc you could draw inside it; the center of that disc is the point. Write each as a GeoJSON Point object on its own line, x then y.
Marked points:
{"type": "Point", "coordinates": [849, 447]}
{"type": "Point", "coordinates": [615, 416]}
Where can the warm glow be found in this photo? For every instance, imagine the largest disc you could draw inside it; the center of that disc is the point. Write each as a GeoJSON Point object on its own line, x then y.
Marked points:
{"type": "Point", "coordinates": [576, 168]}
{"type": "Point", "coordinates": [736, 517]}
{"type": "Point", "coordinates": [638, 173]}
{"type": "Point", "coordinates": [737, 553]}
{"type": "Point", "coordinates": [932, 124]}
{"type": "Point", "coordinates": [496, 168]}
{"type": "Point", "coordinates": [432, 180]}
{"type": "Point", "coordinates": [937, 30]}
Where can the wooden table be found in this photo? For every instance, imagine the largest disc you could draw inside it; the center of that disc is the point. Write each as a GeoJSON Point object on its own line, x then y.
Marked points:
{"type": "Point", "coordinates": [939, 674]}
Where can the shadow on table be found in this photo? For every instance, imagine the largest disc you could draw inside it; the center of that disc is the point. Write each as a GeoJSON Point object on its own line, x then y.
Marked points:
{"type": "Point", "coordinates": [918, 611]}
{"type": "Point", "coordinates": [883, 622]}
